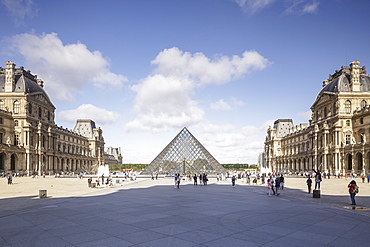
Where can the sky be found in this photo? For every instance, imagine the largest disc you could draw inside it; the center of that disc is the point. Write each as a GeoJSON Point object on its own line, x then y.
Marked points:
{"type": "Point", "coordinates": [145, 69]}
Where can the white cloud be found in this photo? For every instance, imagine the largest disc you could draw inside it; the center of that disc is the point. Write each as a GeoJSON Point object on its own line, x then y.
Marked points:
{"type": "Point", "coordinates": [236, 102]}
{"type": "Point", "coordinates": [301, 7]}
{"type": "Point", "coordinates": [305, 115]}
{"type": "Point", "coordinates": [310, 8]}
{"type": "Point", "coordinates": [203, 70]}
{"type": "Point", "coordinates": [163, 102]}
{"type": "Point", "coordinates": [65, 69]}
{"type": "Point", "coordinates": [163, 99]}
{"type": "Point", "coordinates": [20, 10]}
{"type": "Point", "coordinates": [227, 141]}
{"type": "Point", "coordinates": [88, 111]}
{"type": "Point", "coordinates": [220, 105]}
{"type": "Point", "coordinates": [253, 6]}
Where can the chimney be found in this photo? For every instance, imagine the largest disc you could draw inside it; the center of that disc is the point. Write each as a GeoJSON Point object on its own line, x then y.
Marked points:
{"type": "Point", "coordinates": [355, 75]}
{"type": "Point", "coordinates": [9, 76]}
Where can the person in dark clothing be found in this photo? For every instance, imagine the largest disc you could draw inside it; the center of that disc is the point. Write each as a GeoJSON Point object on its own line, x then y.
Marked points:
{"type": "Point", "coordinates": [195, 178]}
{"type": "Point", "coordinates": [277, 186]}
{"type": "Point", "coordinates": [233, 179]}
{"type": "Point", "coordinates": [205, 179]}
{"type": "Point", "coordinates": [309, 184]}
{"type": "Point", "coordinates": [353, 190]}
{"type": "Point", "coordinates": [281, 182]}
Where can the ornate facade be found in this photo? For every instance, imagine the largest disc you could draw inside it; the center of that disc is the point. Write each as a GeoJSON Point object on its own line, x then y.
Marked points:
{"type": "Point", "coordinates": [335, 140]}
{"type": "Point", "coordinates": [30, 141]}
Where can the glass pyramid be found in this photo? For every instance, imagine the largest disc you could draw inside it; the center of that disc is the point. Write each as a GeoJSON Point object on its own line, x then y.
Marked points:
{"type": "Point", "coordinates": [184, 155]}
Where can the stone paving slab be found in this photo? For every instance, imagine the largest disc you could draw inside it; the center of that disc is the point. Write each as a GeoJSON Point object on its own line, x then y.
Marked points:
{"type": "Point", "coordinates": [153, 213]}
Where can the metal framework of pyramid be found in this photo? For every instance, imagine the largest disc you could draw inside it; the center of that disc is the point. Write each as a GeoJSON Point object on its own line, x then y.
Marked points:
{"type": "Point", "coordinates": [184, 155]}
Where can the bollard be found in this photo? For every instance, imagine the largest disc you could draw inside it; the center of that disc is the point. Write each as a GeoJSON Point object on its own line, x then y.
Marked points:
{"type": "Point", "coordinates": [316, 194]}
{"type": "Point", "coordinates": [43, 194]}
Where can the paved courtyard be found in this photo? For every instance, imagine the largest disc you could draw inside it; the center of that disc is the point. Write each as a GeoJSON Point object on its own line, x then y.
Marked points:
{"type": "Point", "coordinates": [153, 213]}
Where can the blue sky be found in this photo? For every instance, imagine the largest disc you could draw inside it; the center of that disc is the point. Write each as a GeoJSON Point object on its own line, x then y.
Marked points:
{"type": "Point", "coordinates": [144, 69]}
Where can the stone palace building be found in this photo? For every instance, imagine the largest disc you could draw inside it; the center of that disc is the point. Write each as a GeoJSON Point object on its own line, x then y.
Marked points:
{"type": "Point", "coordinates": [337, 139]}
{"type": "Point", "coordinates": [30, 141]}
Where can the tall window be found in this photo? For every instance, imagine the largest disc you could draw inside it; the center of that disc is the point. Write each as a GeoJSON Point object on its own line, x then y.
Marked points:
{"type": "Point", "coordinates": [1, 138]}
{"type": "Point", "coordinates": [16, 139]}
{"type": "Point", "coordinates": [16, 106]}
{"type": "Point", "coordinates": [30, 108]}
{"type": "Point", "coordinates": [363, 104]}
{"type": "Point", "coordinates": [347, 106]}
{"type": "Point", "coordinates": [325, 112]}
{"type": "Point", "coordinates": [334, 108]}
{"type": "Point", "coordinates": [40, 112]}
{"type": "Point", "coordinates": [16, 123]}
{"type": "Point", "coordinates": [348, 123]}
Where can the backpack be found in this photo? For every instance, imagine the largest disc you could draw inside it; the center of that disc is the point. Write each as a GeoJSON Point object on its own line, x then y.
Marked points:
{"type": "Point", "coordinates": [356, 189]}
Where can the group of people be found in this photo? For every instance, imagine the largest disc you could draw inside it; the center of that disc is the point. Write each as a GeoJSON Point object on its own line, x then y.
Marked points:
{"type": "Point", "coordinates": [353, 189]}
{"type": "Point", "coordinates": [275, 185]}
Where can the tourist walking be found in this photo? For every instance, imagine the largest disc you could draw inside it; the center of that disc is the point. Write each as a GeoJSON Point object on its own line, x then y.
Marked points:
{"type": "Point", "coordinates": [269, 185]}
{"type": "Point", "coordinates": [205, 179]}
{"type": "Point", "coordinates": [353, 190]}
{"type": "Point", "coordinates": [178, 180]}
{"type": "Point", "coordinates": [277, 186]}
{"type": "Point", "coordinates": [272, 180]}
{"type": "Point", "coordinates": [195, 178]}
{"type": "Point", "coordinates": [200, 179]}
{"type": "Point", "coordinates": [309, 184]}
{"type": "Point", "coordinates": [233, 179]}
{"type": "Point", "coordinates": [282, 182]}
{"type": "Point", "coordinates": [10, 178]}
{"type": "Point", "coordinates": [89, 182]}
{"type": "Point", "coordinates": [175, 180]}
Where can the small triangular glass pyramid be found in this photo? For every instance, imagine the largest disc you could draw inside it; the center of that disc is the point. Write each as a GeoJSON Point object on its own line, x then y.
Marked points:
{"type": "Point", "coordinates": [184, 155]}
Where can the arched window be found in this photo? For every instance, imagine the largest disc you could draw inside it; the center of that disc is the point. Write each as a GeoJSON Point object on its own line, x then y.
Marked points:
{"type": "Point", "coordinates": [16, 106]}
{"type": "Point", "coordinates": [16, 123]}
{"type": "Point", "coordinates": [2, 105]}
{"type": "Point", "coordinates": [347, 106]}
{"type": "Point", "coordinates": [348, 123]}
{"type": "Point", "coordinates": [12, 162]}
{"type": "Point", "coordinates": [363, 104]}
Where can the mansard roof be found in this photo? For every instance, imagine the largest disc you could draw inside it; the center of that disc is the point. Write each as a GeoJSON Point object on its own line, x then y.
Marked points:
{"type": "Point", "coordinates": [342, 84]}
{"type": "Point", "coordinates": [24, 82]}
{"type": "Point", "coordinates": [340, 81]}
